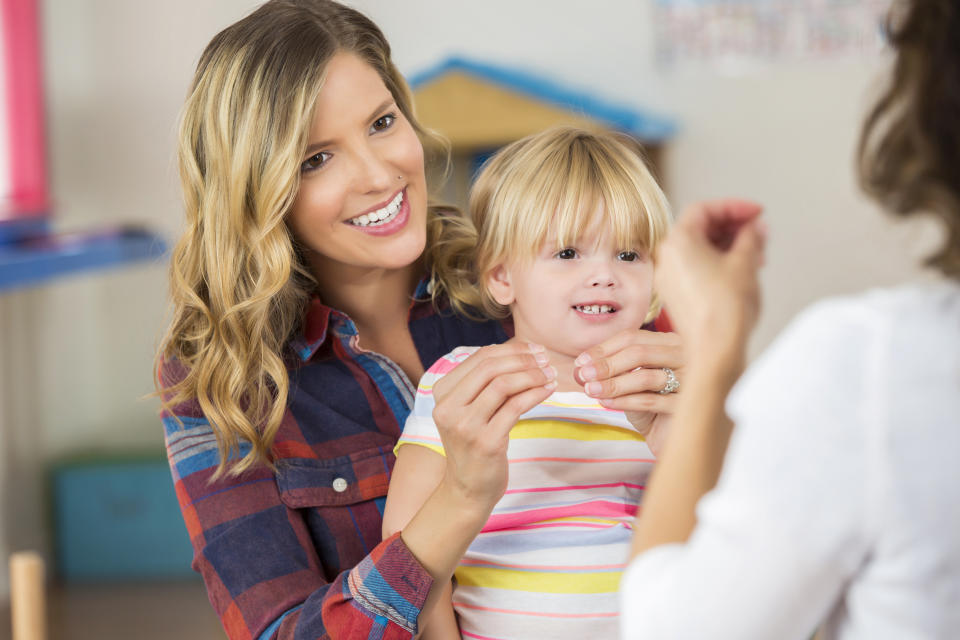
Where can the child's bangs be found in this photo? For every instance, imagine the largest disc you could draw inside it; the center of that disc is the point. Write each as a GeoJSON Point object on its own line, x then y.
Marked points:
{"type": "Point", "coordinates": [606, 194]}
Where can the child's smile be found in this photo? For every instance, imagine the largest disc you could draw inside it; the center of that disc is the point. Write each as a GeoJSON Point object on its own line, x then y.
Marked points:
{"type": "Point", "coordinates": [571, 298]}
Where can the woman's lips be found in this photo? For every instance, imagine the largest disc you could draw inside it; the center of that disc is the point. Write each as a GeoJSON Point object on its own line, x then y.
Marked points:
{"type": "Point", "coordinates": [392, 224]}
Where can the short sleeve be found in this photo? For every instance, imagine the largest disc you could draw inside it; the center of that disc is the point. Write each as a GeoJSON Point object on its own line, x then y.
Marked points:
{"type": "Point", "coordinates": [420, 429]}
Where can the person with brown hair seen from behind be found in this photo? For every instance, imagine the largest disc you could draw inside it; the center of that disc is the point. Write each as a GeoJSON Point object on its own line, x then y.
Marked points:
{"type": "Point", "coordinates": [837, 503]}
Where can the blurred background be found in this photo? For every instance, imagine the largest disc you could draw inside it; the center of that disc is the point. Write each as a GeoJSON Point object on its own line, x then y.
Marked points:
{"type": "Point", "coordinates": [762, 100]}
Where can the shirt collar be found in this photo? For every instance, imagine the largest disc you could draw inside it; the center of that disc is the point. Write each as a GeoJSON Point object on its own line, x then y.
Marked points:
{"type": "Point", "coordinates": [321, 319]}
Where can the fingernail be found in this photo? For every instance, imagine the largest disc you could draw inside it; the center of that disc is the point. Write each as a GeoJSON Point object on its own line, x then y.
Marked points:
{"type": "Point", "coordinates": [550, 372]}
{"type": "Point", "coordinates": [550, 385]}
{"type": "Point", "coordinates": [541, 358]}
{"type": "Point", "coordinates": [588, 373]}
{"type": "Point", "coordinates": [536, 348]}
{"type": "Point", "coordinates": [593, 388]}
{"type": "Point", "coordinates": [582, 359]}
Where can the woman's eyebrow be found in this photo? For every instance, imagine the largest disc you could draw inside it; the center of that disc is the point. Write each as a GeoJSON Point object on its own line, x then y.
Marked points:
{"type": "Point", "coordinates": [317, 146]}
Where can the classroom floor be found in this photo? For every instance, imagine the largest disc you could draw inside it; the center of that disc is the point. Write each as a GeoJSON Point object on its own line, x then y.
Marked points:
{"type": "Point", "coordinates": [152, 611]}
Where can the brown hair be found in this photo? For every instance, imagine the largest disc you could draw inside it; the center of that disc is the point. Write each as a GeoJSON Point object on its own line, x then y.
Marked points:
{"type": "Point", "coordinates": [238, 283]}
{"type": "Point", "coordinates": [910, 144]}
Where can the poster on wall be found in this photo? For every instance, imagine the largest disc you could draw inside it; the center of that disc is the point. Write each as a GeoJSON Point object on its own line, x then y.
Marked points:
{"type": "Point", "coordinates": [745, 33]}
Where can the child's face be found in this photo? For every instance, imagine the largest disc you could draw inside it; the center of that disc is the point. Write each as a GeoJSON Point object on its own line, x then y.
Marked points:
{"type": "Point", "coordinates": [571, 298]}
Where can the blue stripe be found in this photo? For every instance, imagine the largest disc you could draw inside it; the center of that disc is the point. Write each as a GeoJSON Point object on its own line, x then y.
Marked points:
{"type": "Point", "coordinates": [569, 503]}
{"type": "Point", "coordinates": [375, 583]}
{"type": "Point", "coordinates": [175, 424]}
{"type": "Point", "coordinates": [269, 631]}
{"type": "Point", "coordinates": [510, 543]}
{"type": "Point", "coordinates": [387, 384]}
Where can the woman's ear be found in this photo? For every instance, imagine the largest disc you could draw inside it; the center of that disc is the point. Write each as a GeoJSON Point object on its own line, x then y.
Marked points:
{"type": "Point", "coordinates": [499, 285]}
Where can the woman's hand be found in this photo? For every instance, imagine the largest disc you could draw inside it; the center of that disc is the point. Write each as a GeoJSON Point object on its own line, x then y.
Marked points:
{"type": "Point", "coordinates": [626, 372]}
{"type": "Point", "coordinates": [707, 276]}
{"type": "Point", "coordinates": [477, 404]}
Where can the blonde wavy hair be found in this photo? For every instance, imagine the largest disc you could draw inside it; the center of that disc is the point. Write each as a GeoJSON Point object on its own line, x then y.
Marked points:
{"type": "Point", "coordinates": [549, 184]}
{"type": "Point", "coordinates": [239, 284]}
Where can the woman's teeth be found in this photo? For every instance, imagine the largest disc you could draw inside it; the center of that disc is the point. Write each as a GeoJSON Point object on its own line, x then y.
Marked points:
{"type": "Point", "coordinates": [380, 216]}
{"type": "Point", "coordinates": [594, 308]}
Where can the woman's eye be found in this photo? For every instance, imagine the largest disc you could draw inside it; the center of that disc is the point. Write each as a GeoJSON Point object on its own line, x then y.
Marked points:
{"type": "Point", "coordinates": [567, 254]}
{"type": "Point", "coordinates": [628, 256]}
{"type": "Point", "coordinates": [383, 122]}
{"type": "Point", "coordinates": [315, 161]}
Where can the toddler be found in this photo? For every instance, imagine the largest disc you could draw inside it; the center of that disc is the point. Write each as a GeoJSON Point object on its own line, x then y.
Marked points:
{"type": "Point", "coordinates": [560, 236]}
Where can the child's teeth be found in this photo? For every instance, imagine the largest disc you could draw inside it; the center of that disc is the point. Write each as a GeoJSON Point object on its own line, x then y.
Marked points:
{"type": "Point", "coordinates": [595, 308]}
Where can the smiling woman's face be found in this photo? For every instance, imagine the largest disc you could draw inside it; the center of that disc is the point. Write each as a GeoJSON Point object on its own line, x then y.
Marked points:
{"type": "Point", "coordinates": [362, 202]}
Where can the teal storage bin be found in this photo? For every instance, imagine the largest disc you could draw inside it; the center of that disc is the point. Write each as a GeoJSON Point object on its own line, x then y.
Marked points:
{"type": "Point", "coordinates": [118, 519]}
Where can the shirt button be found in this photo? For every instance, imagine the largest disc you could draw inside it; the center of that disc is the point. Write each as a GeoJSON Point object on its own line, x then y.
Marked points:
{"type": "Point", "coordinates": [339, 485]}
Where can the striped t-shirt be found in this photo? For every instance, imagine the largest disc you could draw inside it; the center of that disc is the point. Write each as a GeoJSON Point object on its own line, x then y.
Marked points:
{"type": "Point", "coordinates": [548, 562]}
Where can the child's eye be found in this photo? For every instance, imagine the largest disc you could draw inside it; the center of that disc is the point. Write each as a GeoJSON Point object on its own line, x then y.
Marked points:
{"type": "Point", "coordinates": [315, 161]}
{"type": "Point", "coordinates": [628, 256]}
{"type": "Point", "coordinates": [382, 123]}
{"type": "Point", "coordinates": [567, 254]}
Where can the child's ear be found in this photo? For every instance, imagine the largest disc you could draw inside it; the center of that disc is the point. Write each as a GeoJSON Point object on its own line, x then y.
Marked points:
{"type": "Point", "coordinates": [499, 285]}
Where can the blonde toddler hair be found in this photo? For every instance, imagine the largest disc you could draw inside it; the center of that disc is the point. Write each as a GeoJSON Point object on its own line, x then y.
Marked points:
{"type": "Point", "coordinates": [550, 183]}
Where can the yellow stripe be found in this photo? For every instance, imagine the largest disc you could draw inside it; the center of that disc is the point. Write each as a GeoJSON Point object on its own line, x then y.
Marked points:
{"type": "Point", "coordinates": [433, 447]}
{"type": "Point", "coordinates": [562, 430]}
{"type": "Point", "coordinates": [511, 580]}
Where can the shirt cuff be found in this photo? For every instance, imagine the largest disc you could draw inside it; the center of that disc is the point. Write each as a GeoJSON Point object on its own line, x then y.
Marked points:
{"type": "Point", "coordinates": [392, 583]}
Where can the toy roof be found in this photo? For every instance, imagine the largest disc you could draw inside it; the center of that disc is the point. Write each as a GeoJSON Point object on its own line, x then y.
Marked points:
{"type": "Point", "coordinates": [514, 94]}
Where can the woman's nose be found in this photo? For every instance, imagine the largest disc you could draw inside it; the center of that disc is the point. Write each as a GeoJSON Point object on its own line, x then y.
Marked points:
{"type": "Point", "coordinates": [374, 173]}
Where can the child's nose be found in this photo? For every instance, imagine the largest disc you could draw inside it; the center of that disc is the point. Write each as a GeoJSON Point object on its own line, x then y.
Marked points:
{"type": "Point", "coordinates": [601, 279]}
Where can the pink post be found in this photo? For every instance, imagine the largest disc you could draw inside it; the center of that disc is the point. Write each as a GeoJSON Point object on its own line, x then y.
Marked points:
{"type": "Point", "coordinates": [25, 110]}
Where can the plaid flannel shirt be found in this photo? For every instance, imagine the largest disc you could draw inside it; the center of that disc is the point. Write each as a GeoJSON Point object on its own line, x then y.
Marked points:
{"type": "Point", "coordinates": [298, 553]}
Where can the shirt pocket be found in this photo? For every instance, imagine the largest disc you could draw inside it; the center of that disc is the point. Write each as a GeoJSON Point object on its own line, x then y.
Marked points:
{"type": "Point", "coordinates": [334, 482]}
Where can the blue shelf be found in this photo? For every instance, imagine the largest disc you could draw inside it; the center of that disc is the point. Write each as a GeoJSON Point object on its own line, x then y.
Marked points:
{"type": "Point", "coordinates": [35, 258]}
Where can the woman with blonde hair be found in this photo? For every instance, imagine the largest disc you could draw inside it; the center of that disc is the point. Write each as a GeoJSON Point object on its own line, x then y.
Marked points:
{"type": "Point", "coordinates": [837, 502]}
{"type": "Point", "coordinates": [301, 325]}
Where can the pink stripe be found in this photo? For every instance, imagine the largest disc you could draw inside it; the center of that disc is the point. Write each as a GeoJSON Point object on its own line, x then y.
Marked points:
{"type": "Point", "coordinates": [473, 635]}
{"type": "Point", "coordinates": [542, 614]}
{"type": "Point", "coordinates": [534, 567]}
{"type": "Point", "coordinates": [575, 487]}
{"type": "Point", "coordinates": [443, 366]}
{"type": "Point", "coordinates": [593, 509]}
{"type": "Point", "coordinates": [588, 460]}
{"type": "Point", "coordinates": [582, 525]}
{"type": "Point", "coordinates": [24, 105]}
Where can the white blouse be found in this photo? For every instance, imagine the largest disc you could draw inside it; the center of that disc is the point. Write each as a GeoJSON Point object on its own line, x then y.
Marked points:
{"type": "Point", "coordinates": [839, 501]}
